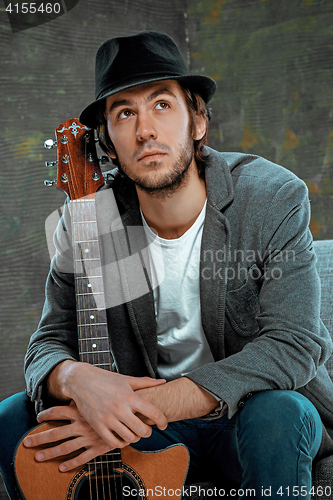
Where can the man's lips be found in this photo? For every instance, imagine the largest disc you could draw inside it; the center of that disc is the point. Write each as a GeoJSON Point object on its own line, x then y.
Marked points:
{"type": "Point", "coordinates": [151, 155]}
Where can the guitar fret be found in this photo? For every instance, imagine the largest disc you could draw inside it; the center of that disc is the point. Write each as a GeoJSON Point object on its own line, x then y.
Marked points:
{"type": "Point", "coordinates": [88, 309]}
{"type": "Point", "coordinates": [93, 327]}
{"type": "Point", "coordinates": [94, 338]}
{"type": "Point", "coordinates": [86, 241]}
{"type": "Point", "coordinates": [90, 293]}
{"type": "Point", "coordinates": [84, 222]}
{"type": "Point", "coordinates": [91, 324]}
{"type": "Point", "coordinates": [87, 317]}
{"type": "Point", "coordinates": [87, 277]}
{"type": "Point", "coordinates": [92, 347]}
{"type": "Point", "coordinates": [84, 260]}
{"type": "Point", "coordinates": [94, 352]}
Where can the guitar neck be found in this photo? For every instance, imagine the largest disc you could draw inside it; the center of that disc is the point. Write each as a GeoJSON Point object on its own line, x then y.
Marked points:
{"type": "Point", "coordinates": [93, 337]}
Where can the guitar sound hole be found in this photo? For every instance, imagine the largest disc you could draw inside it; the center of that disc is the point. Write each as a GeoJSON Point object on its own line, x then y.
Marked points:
{"type": "Point", "coordinates": [114, 484]}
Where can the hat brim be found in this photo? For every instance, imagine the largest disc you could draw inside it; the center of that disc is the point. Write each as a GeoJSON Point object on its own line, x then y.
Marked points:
{"type": "Point", "coordinates": [201, 84]}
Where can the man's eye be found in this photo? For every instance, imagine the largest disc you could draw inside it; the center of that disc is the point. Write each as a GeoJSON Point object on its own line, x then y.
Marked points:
{"type": "Point", "coordinates": [125, 113]}
{"type": "Point", "coordinates": [162, 105]}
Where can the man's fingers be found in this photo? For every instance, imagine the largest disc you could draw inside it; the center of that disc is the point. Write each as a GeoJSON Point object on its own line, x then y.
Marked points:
{"type": "Point", "coordinates": [49, 436]}
{"type": "Point", "coordinates": [152, 413]}
{"type": "Point", "coordinates": [139, 428]}
{"type": "Point", "coordinates": [59, 450]}
{"type": "Point", "coordinates": [114, 427]}
{"type": "Point", "coordinates": [58, 413]}
{"type": "Point", "coordinates": [85, 457]}
{"type": "Point", "coordinates": [144, 419]}
{"type": "Point", "coordinates": [144, 382]}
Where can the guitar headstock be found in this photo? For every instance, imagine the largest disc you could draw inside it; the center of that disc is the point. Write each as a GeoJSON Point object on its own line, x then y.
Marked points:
{"type": "Point", "coordinates": [79, 173]}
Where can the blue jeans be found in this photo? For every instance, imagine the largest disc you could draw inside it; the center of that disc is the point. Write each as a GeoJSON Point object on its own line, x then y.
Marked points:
{"type": "Point", "coordinates": [265, 449]}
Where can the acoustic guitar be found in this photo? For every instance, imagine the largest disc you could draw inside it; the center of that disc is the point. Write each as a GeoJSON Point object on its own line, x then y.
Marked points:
{"type": "Point", "coordinates": [119, 474]}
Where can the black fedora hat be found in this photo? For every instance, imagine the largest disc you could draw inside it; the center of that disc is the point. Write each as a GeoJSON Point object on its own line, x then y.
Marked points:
{"type": "Point", "coordinates": [149, 56]}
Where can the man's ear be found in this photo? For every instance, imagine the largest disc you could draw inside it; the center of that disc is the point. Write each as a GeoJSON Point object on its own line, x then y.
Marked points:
{"type": "Point", "coordinates": [200, 127]}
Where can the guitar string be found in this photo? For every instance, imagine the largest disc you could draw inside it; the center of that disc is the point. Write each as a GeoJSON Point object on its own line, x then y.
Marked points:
{"type": "Point", "coordinates": [97, 329]}
{"type": "Point", "coordinates": [100, 350]}
{"type": "Point", "coordinates": [81, 274]}
{"type": "Point", "coordinates": [77, 209]}
{"type": "Point", "coordinates": [88, 218]}
{"type": "Point", "coordinates": [88, 348]}
{"type": "Point", "coordinates": [92, 303]}
{"type": "Point", "coordinates": [78, 284]}
{"type": "Point", "coordinates": [104, 359]}
{"type": "Point", "coordinates": [102, 355]}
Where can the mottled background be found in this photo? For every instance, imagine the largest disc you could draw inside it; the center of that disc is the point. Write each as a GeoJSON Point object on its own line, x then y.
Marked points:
{"type": "Point", "coordinates": [273, 63]}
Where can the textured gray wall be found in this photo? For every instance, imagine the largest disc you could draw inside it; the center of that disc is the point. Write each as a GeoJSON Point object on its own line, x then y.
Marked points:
{"type": "Point", "coordinates": [273, 62]}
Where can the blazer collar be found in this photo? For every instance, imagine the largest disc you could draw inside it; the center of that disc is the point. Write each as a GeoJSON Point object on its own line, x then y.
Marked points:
{"type": "Point", "coordinates": [219, 184]}
{"type": "Point", "coordinates": [215, 242]}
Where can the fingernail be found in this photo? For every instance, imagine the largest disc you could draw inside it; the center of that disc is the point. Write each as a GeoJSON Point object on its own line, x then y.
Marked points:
{"type": "Point", "coordinates": [62, 468]}
{"type": "Point", "coordinates": [40, 456]}
{"type": "Point", "coordinates": [27, 442]}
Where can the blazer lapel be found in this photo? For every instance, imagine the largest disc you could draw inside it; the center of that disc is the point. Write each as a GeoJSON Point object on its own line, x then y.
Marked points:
{"type": "Point", "coordinates": [133, 271]}
{"type": "Point", "coordinates": [214, 251]}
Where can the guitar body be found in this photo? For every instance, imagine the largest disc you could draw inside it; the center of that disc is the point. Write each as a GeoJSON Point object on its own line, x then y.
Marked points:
{"type": "Point", "coordinates": [143, 475]}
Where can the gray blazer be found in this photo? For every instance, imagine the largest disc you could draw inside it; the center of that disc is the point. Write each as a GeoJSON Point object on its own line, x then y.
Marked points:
{"type": "Point", "coordinates": [259, 289]}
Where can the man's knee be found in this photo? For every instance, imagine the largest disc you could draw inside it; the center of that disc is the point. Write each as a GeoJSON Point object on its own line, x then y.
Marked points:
{"type": "Point", "coordinates": [16, 418]}
{"type": "Point", "coordinates": [278, 404]}
{"type": "Point", "coordinates": [274, 416]}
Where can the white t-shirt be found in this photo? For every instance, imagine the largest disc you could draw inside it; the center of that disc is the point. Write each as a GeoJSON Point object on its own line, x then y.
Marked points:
{"type": "Point", "coordinates": [175, 269]}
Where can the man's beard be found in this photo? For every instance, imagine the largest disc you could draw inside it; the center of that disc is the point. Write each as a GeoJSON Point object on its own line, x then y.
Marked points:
{"type": "Point", "coordinates": [170, 182]}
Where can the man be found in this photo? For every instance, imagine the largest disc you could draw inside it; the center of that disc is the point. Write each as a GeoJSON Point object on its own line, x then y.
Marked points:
{"type": "Point", "coordinates": [225, 352]}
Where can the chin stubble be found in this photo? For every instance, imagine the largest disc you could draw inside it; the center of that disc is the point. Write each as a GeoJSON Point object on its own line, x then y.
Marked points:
{"type": "Point", "coordinates": [171, 182]}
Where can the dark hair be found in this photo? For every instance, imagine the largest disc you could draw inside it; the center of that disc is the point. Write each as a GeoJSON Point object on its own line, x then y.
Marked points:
{"type": "Point", "coordinates": [195, 105]}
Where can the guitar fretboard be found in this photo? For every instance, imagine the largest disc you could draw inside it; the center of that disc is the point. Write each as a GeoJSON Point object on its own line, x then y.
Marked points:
{"type": "Point", "coordinates": [93, 336]}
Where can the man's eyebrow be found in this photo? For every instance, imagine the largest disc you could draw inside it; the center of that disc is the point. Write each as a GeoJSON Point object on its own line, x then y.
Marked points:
{"type": "Point", "coordinates": [161, 91]}
{"type": "Point", "coordinates": [122, 102]}
{"type": "Point", "coordinates": [151, 97]}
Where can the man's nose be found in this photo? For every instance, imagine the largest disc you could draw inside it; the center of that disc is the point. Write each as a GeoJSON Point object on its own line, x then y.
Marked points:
{"type": "Point", "coordinates": [145, 127]}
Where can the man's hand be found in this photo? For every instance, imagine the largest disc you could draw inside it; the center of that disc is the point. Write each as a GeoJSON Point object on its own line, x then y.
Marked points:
{"type": "Point", "coordinates": [78, 435]}
{"type": "Point", "coordinates": [106, 411]}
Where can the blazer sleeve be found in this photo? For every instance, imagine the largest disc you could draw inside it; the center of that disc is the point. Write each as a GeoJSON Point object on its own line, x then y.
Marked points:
{"type": "Point", "coordinates": [292, 341]}
{"type": "Point", "coordinates": [56, 337]}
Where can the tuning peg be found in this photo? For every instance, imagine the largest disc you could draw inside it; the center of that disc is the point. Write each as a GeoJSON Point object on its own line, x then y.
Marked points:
{"type": "Point", "coordinates": [50, 143]}
{"type": "Point", "coordinates": [51, 163]}
{"type": "Point", "coordinates": [104, 159]}
{"type": "Point", "coordinates": [49, 183]}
